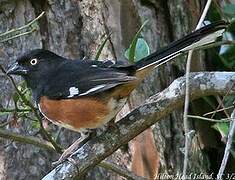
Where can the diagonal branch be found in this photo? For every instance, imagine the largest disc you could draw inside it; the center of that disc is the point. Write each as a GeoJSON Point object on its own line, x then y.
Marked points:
{"type": "Point", "coordinates": [141, 118]}
{"type": "Point", "coordinates": [27, 140]}
{"type": "Point", "coordinates": [21, 31]}
{"type": "Point", "coordinates": [228, 147]}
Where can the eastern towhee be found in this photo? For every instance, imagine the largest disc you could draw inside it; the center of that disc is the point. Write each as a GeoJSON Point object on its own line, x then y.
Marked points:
{"type": "Point", "coordinates": [85, 94]}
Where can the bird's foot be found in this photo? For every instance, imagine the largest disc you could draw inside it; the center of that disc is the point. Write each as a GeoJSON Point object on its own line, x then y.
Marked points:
{"type": "Point", "coordinates": [66, 155]}
{"type": "Point", "coordinates": [111, 124]}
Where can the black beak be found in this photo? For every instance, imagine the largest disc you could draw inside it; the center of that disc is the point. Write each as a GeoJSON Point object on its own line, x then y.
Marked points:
{"type": "Point", "coordinates": [16, 69]}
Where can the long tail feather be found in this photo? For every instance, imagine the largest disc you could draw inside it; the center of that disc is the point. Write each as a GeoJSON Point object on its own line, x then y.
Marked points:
{"type": "Point", "coordinates": [200, 37]}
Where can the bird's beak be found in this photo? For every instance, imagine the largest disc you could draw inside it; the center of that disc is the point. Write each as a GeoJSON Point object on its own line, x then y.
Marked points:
{"type": "Point", "coordinates": [16, 69]}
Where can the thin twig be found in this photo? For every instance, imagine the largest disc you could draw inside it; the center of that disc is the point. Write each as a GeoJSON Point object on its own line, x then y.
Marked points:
{"type": "Point", "coordinates": [101, 46]}
{"type": "Point", "coordinates": [186, 104]}
{"type": "Point", "coordinates": [14, 33]}
{"type": "Point", "coordinates": [186, 125]}
{"type": "Point", "coordinates": [34, 110]}
{"type": "Point", "coordinates": [123, 172]}
{"type": "Point", "coordinates": [209, 119]}
{"type": "Point", "coordinates": [27, 140]}
{"type": "Point", "coordinates": [217, 5]}
{"type": "Point", "coordinates": [15, 110]}
{"type": "Point", "coordinates": [216, 44]}
{"type": "Point", "coordinates": [6, 123]}
{"type": "Point", "coordinates": [221, 103]}
{"type": "Point", "coordinates": [218, 110]}
{"type": "Point", "coordinates": [228, 147]}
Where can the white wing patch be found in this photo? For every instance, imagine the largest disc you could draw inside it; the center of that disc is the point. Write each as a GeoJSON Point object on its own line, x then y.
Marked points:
{"type": "Point", "coordinates": [93, 89]}
{"type": "Point", "coordinates": [73, 91]}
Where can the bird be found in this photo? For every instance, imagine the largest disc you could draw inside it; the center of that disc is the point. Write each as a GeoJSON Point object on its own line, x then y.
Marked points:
{"type": "Point", "coordinates": [86, 94]}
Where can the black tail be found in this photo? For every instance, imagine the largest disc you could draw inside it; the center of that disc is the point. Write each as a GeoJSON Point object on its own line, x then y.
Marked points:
{"type": "Point", "coordinates": [200, 37]}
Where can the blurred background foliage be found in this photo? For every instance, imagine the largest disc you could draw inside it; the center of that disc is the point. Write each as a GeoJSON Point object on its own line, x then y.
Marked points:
{"type": "Point", "coordinates": [221, 58]}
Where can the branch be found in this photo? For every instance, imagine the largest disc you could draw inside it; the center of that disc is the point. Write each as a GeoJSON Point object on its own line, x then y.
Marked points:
{"type": "Point", "coordinates": [123, 172]}
{"type": "Point", "coordinates": [187, 99]}
{"type": "Point", "coordinates": [21, 31]}
{"type": "Point", "coordinates": [228, 147]}
{"type": "Point", "coordinates": [141, 118]}
{"type": "Point", "coordinates": [27, 140]}
{"type": "Point", "coordinates": [14, 110]}
{"type": "Point", "coordinates": [209, 119]}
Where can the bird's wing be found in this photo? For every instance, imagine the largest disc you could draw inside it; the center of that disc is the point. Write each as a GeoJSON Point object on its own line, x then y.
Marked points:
{"type": "Point", "coordinates": [83, 78]}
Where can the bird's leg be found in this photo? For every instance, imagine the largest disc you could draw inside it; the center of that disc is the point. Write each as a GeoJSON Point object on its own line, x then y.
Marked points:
{"type": "Point", "coordinates": [78, 143]}
{"type": "Point", "coordinates": [111, 124]}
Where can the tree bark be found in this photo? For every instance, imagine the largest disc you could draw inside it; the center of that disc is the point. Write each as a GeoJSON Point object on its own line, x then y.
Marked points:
{"type": "Point", "coordinates": [75, 29]}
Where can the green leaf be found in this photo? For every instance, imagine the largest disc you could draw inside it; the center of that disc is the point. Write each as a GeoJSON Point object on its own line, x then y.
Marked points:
{"type": "Point", "coordinates": [15, 97]}
{"type": "Point", "coordinates": [101, 47]}
{"type": "Point", "coordinates": [141, 50]}
{"type": "Point", "coordinates": [232, 152]}
{"type": "Point", "coordinates": [25, 90]}
{"type": "Point", "coordinates": [229, 9]}
{"type": "Point", "coordinates": [132, 48]}
{"type": "Point", "coordinates": [229, 100]}
{"type": "Point", "coordinates": [28, 94]}
{"type": "Point", "coordinates": [223, 128]}
{"type": "Point", "coordinates": [35, 124]}
{"type": "Point", "coordinates": [227, 58]}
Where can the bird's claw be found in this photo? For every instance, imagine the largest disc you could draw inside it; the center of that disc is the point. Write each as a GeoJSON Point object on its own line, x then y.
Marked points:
{"type": "Point", "coordinates": [62, 160]}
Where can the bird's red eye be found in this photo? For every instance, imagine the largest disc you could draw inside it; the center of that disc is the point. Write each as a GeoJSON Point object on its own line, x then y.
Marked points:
{"type": "Point", "coordinates": [33, 61]}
